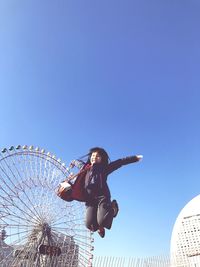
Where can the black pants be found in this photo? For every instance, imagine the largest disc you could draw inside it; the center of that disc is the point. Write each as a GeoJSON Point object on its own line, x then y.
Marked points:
{"type": "Point", "coordinates": [99, 213]}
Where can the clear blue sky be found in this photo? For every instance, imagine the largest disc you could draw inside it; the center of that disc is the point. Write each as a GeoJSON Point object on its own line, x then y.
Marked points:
{"type": "Point", "coordinates": [123, 75]}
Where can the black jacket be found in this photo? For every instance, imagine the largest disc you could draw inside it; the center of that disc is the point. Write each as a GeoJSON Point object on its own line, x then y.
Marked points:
{"type": "Point", "coordinates": [92, 182]}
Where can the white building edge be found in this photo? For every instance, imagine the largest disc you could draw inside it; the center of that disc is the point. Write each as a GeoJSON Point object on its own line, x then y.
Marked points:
{"type": "Point", "coordinates": [185, 239]}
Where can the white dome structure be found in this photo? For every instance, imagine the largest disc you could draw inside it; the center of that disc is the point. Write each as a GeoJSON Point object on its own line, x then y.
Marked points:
{"type": "Point", "coordinates": [185, 240]}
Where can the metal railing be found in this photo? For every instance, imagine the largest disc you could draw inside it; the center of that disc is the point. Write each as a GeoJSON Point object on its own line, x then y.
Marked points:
{"type": "Point", "coordinates": [156, 261]}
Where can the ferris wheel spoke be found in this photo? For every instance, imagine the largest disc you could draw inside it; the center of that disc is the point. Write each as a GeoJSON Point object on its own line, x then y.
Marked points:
{"type": "Point", "coordinates": [7, 186]}
{"type": "Point", "coordinates": [23, 234]}
{"type": "Point", "coordinates": [11, 199]}
{"type": "Point", "coordinates": [12, 220]}
{"type": "Point", "coordinates": [84, 242]}
{"type": "Point", "coordinates": [24, 214]}
{"type": "Point", "coordinates": [67, 230]}
{"type": "Point", "coordinates": [21, 226]}
{"type": "Point", "coordinates": [18, 239]}
{"type": "Point", "coordinates": [83, 260]}
{"type": "Point", "coordinates": [58, 224]}
{"type": "Point", "coordinates": [9, 213]}
{"type": "Point", "coordinates": [84, 251]}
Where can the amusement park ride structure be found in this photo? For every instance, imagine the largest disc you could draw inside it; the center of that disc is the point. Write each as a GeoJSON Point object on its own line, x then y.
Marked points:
{"type": "Point", "coordinates": [37, 228]}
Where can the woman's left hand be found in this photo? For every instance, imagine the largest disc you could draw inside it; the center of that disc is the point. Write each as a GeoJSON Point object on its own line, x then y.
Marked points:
{"type": "Point", "coordinates": [139, 157]}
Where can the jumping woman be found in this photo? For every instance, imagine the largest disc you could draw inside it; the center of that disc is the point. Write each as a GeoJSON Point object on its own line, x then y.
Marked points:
{"type": "Point", "coordinates": [91, 187]}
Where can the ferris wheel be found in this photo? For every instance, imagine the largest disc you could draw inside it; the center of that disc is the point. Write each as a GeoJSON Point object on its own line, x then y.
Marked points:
{"type": "Point", "coordinates": [37, 228]}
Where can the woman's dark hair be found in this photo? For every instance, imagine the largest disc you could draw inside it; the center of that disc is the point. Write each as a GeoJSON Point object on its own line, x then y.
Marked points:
{"type": "Point", "coordinates": [104, 155]}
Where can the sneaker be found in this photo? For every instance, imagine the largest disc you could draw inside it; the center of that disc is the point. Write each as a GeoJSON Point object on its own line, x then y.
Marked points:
{"type": "Point", "coordinates": [101, 232]}
{"type": "Point", "coordinates": [115, 207]}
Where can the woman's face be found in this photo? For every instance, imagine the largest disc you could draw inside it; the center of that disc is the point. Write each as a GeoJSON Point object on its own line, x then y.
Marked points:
{"type": "Point", "coordinates": [95, 158]}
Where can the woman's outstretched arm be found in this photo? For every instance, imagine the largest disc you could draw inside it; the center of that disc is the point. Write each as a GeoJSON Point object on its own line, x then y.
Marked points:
{"type": "Point", "coordinates": [114, 165]}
